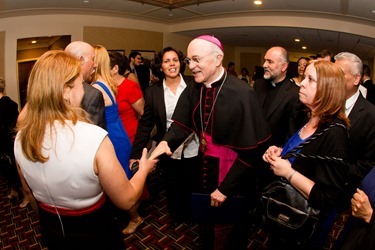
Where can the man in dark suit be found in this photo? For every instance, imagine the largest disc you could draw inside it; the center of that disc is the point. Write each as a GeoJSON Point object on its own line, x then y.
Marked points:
{"type": "Point", "coordinates": [278, 96]}
{"type": "Point", "coordinates": [368, 84]}
{"type": "Point", "coordinates": [93, 101]}
{"type": "Point", "coordinates": [361, 114]}
{"type": "Point", "coordinates": [141, 71]}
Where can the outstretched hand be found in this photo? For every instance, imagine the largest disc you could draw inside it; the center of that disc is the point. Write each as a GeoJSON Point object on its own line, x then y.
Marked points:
{"type": "Point", "coordinates": [147, 163]}
{"type": "Point", "coordinates": [162, 148]}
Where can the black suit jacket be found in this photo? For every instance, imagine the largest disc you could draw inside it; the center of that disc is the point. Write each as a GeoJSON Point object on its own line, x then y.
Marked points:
{"type": "Point", "coordinates": [143, 75]}
{"type": "Point", "coordinates": [369, 85]}
{"type": "Point", "coordinates": [329, 176]}
{"type": "Point", "coordinates": [93, 103]}
{"type": "Point", "coordinates": [286, 113]}
{"type": "Point", "coordinates": [154, 115]}
{"type": "Point", "coordinates": [8, 120]}
{"type": "Point", "coordinates": [362, 137]}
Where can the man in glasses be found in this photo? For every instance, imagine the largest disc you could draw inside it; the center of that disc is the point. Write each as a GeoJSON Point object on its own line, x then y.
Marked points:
{"type": "Point", "coordinates": [233, 132]}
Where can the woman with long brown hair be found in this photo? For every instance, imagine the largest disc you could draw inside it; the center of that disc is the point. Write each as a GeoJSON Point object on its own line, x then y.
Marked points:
{"type": "Point", "coordinates": [321, 182]}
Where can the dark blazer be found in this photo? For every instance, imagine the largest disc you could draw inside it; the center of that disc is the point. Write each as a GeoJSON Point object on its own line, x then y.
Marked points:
{"type": "Point", "coordinates": [329, 177]}
{"type": "Point", "coordinates": [286, 113]}
{"type": "Point", "coordinates": [362, 136]}
{"type": "Point", "coordinates": [154, 115]}
{"type": "Point", "coordinates": [93, 103]}
{"type": "Point", "coordinates": [143, 75]}
{"type": "Point", "coordinates": [8, 120]}
{"type": "Point", "coordinates": [369, 85]}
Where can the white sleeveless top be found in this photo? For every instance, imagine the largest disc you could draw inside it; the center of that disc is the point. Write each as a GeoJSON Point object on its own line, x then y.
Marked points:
{"type": "Point", "coordinates": [67, 179]}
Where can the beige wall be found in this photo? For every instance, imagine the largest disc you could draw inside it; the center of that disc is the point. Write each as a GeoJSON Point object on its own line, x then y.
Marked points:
{"type": "Point", "coordinates": [120, 30]}
{"type": "Point", "coordinates": [2, 51]}
{"type": "Point", "coordinates": [59, 24]}
{"type": "Point", "coordinates": [123, 39]}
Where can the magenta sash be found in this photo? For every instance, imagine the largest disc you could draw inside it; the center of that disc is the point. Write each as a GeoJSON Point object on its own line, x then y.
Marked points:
{"type": "Point", "coordinates": [225, 154]}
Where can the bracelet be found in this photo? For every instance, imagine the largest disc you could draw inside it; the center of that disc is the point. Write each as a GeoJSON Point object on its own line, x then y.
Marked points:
{"type": "Point", "coordinates": [291, 175]}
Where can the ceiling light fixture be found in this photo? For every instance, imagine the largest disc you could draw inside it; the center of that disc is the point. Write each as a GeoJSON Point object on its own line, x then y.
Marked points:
{"type": "Point", "coordinates": [373, 11]}
{"type": "Point", "coordinates": [33, 41]}
{"type": "Point", "coordinates": [304, 47]}
{"type": "Point", "coordinates": [297, 40]}
{"type": "Point", "coordinates": [86, 1]}
{"type": "Point", "coordinates": [172, 4]}
{"type": "Point", "coordinates": [257, 2]}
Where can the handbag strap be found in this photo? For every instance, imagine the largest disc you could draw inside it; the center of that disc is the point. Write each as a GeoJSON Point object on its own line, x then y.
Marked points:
{"type": "Point", "coordinates": [293, 152]}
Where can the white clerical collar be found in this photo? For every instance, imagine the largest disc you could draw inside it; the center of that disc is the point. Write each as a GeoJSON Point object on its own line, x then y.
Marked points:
{"type": "Point", "coordinates": [350, 102]}
{"type": "Point", "coordinates": [209, 85]}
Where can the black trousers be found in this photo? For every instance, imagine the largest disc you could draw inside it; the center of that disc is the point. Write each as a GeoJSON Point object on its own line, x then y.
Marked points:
{"type": "Point", "coordinates": [181, 178]}
{"type": "Point", "coordinates": [96, 230]}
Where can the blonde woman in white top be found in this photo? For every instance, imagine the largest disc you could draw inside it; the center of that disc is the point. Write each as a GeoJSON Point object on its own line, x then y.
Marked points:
{"type": "Point", "coordinates": [69, 165]}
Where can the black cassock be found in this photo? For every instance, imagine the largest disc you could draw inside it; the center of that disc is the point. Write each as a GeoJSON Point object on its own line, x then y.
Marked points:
{"type": "Point", "coordinates": [230, 113]}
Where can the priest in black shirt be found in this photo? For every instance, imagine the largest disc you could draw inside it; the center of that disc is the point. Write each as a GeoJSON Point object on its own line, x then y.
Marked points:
{"type": "Point", "coordinates": [279, 98]}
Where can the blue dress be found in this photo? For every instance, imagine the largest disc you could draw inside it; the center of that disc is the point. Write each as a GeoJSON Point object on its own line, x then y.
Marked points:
{"type": "Point", "coordinates": [116, 132]}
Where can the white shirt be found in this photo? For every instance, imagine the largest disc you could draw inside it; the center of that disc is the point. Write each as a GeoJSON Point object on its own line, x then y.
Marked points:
{"type": "Point", "coordinates": [170, 100]}
{"type": "Point", "coordinates": [363, 90]}
{"type": "Point", "coordinates": [349, 104]}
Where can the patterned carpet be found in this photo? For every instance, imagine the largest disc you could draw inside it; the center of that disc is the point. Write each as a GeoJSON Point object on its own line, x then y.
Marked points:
{"type": "Point", "coordinates": [20, 229]}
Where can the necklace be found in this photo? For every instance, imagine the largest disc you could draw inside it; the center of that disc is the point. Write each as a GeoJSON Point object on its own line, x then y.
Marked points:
{"type": "Point", "coordinates": [203, 142]}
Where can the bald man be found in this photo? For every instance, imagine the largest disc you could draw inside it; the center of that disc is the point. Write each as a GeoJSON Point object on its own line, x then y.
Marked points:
{"type": "Point", "coordinates": [232, 130]}
{"type": "Point", "coordinates": [279, 97]}
{"type": "Point", "coordinates": [93, 101]}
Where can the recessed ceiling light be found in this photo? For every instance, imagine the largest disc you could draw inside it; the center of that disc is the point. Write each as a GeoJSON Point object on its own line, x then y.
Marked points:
{"type": "Point", "coordinates": [373, 11]}
{"type": "Point", "coordinates": [33, 41]}
{"type": "Point", "coordinates": [297, 40]}
{"type": "Point", "coordinates": [304, 47]}
{"type": "Point", "coordinates": [257, 2]}
{"type": "Point", "coordinates": [86, 1]}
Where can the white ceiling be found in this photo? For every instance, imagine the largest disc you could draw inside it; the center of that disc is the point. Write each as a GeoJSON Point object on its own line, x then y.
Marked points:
{"type": "Point", "coordinates": [315, 39]}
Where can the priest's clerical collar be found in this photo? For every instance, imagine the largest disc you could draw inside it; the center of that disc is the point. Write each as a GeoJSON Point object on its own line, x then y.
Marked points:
{"type": "Point", "coordinates": [209, 85]}
{"type": "Point", "coordinates": [277, 84]}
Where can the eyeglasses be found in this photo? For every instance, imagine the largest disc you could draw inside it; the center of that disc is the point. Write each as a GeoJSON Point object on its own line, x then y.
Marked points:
{"type": "Point", "coordinates": [195, 59]}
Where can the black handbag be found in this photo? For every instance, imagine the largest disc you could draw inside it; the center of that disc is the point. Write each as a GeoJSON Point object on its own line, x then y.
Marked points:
{"type": "Point", "coordinates": [287, 214]}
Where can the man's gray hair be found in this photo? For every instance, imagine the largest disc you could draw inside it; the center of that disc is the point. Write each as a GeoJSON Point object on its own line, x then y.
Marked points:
{"type": "Point", "coordinates": [355, 62]}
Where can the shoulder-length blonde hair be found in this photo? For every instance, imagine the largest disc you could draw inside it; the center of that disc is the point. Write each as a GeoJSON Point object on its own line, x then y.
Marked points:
{"type": "Point", "coordinates": [103, 67]}
{"type": "Point", "coordinates": [330, 97]}
{"type": "Point", "coordinates": [52, 72]}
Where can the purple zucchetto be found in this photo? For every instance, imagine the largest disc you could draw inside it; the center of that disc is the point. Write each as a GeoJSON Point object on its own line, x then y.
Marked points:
{"type": "Point", "coordinates": [211, 39]}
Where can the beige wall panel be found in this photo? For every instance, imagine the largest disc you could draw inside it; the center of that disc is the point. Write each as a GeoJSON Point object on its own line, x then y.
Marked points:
{"type": "Point", "coordinates": [2, 52]}
{"type": "Point", "coordinates": [123, 39]}
{"type": "Point", "coordinates": [249, 61]}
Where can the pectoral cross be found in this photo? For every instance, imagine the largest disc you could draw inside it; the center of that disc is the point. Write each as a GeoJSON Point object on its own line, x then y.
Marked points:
{"type": "Point", "coordinates": [203, 144]}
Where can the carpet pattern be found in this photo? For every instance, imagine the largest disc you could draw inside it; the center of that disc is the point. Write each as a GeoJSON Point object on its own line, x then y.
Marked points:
{"type": "Point", "coordinates": [20, 229]}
